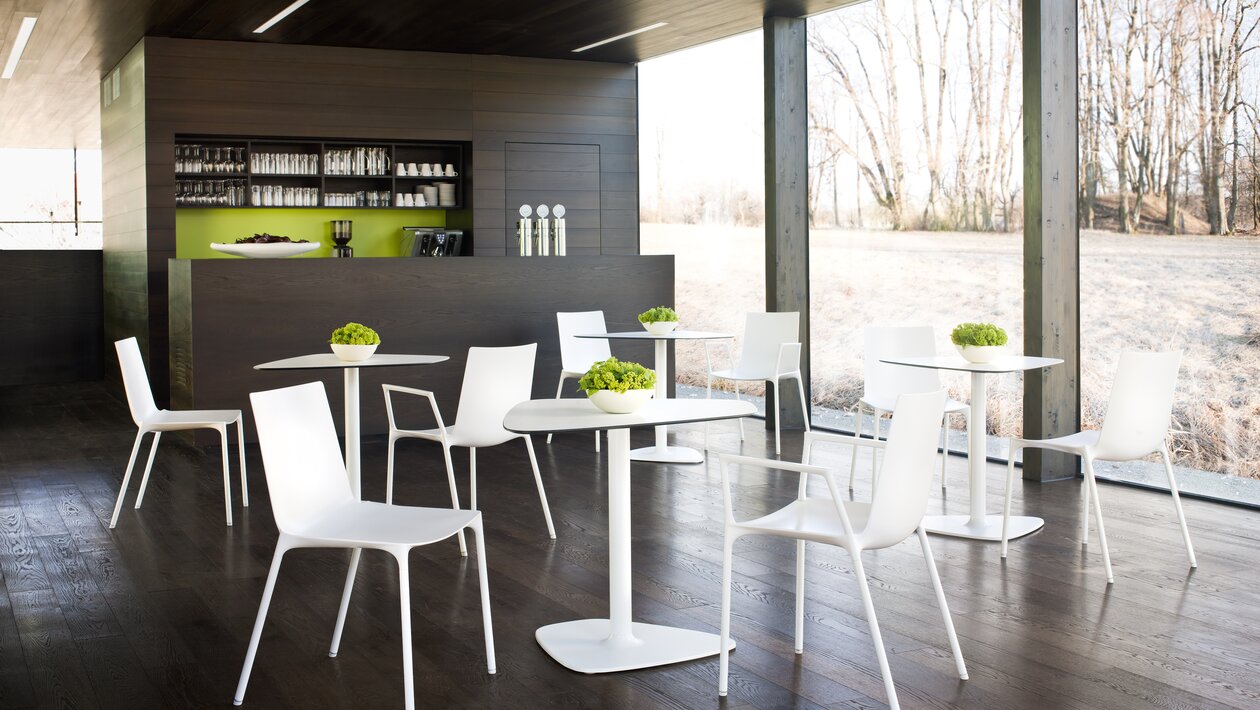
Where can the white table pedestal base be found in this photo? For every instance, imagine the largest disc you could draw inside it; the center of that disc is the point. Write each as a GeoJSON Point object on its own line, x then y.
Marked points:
{"type": "Point", "coordinates": [666, 454]}
{"type": "Point", "coordinates": [586, 646]}
{"type": "Point", "coordinates": [989, 528]}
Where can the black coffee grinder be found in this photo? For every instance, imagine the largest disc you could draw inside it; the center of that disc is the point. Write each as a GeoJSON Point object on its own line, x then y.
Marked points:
{"type": "Point", "coordinates": [341, 233]}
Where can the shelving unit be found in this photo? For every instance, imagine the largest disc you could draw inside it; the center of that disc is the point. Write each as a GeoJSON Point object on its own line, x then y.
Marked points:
{"type": "Point", "coordinates": [374, 175]}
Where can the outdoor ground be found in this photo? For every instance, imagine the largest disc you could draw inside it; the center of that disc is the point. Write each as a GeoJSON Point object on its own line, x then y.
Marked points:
{"type": "Point", "coordinates": [1200, 294]}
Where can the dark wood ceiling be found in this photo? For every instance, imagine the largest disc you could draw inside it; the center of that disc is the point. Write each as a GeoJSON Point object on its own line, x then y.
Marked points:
{"type": "Point", "coordinates": [52, 101]}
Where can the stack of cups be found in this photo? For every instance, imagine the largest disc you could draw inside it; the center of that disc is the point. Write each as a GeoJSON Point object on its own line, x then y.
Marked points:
{"type": "Point", "coordinates": [446, 193]}
{"type": "Point", "coordinates": [430, 194]}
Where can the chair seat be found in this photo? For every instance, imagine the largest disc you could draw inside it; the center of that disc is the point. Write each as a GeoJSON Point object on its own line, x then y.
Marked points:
{"type": "Point", "coordinates": [375, 525]}
{"type": "Point", "coordinates": [166, 420]}
{"type": "Point", "coordinates": [1072, 443]}
{"type": "Point", "coordinates": [572, 373]}
{"type": "Point", "coordinates": [813, 519]}
{"type": "Point", "coordinates": [886, 404]}
{"type": "Point", "coordinates": [455, 436]}
{"type": "Point", "coordinates": [748, 374]}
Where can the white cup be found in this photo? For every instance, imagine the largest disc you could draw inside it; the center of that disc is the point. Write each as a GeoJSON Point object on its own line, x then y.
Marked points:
{"type": "Point", "coordinates": [408, 200]}
{"type": "Point", "coordinates": [425, 170]}
{"type": "Point", "coordinates": [420, 201]}
{"type": "Point", "coordinates": [398, 199]}
{"type": "Point", "coordinates": [437, 168]}
{"type": "Point", "coordinates": [412, 169]}
{"type": "Point", "coordinates": [400, 169]}
{"type": "Point", "coordinates": [450, 170]}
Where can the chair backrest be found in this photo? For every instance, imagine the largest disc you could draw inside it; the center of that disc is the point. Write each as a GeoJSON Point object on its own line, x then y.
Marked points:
{"type": "Point", "coordinates": [905, 474]}
{"type": "Point", "coordinates": [577, 354]}
{"type": "Point", "coordinates": [135, 380]}
{"type": "Point", "coordinates": [1140, 409]}
{"type": "Point", "coordinates": [884, 381]}
{"type": "Point", "coordinates": [305, 472]}
{"type": "Point", "coordinates": [763, 334]}
{"type": "Point", "coordinates": [495, 380]}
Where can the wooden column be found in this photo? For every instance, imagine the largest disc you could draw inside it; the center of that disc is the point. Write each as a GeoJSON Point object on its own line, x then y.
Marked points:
{"type": "Point", "coordinates": [787, 213]}
{"type": "Point", "coordinates": [1052, 404]}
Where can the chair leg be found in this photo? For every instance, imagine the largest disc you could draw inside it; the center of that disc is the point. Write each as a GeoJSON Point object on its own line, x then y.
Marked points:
{"type": "Point", "coordinates": [472, 477]}
{"type": "Point", "coordinates": [148, 468]}
{"type": "Point", "coordinates": [258, 624]}
{"type": "Point", "coordinates": [450, 479]}
{"type": "Point", "coordinates": [940, 601]}
{"type": "Point", "coordinates": [741, 419]}
{"type": "Point", "coordinates": [240, 449]}
{"type": "Point", "coordinates": [800, 596]}
{"type": "Point", "coordinates": [857, 434]}
{"type": "Point", "coordinates": [542, 494]}
{"type": "Point", "coordinates": [944, 448]}
{"type": "Point", "coordinates": [560, 391]}
{"type": "Point", "coordinates": [1085, 516]}
{"type": "Point", "coordinates": [227, 476]}
{"type": "Point", "coordinates": [774, 385]}
{"type": "Point", "coordinates": [708, 394]}
{"type": "Point", "coordinates": [597, 442]}
{"type": "Point", "coordinates": [389, 470]}
{"type": "Point", "coordinates": [724, 641]}
{"type": "Point", "coordinates": [345, 602]}
{"type": "Point", "coordinates": [484, 579]}
{"type": "Point", "coordinates": [875, 418]}
{"type": "Point", "coordinates": [876, 638]}
{"type": "Point", "coordinates": [1181, 516]}
{"type": "Point", "coordinates": [1102, 533]}
{"type": "Point", "coordinates": [1011, 448]}
{"type": "Point", "coordinates": [404, 603]}
{"type": "Point", "coordinates": [122, 492]}
{"type": "Point", "coordinates": [800, 388]}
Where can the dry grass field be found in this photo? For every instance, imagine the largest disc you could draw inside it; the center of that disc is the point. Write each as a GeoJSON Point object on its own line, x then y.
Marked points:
{"type": "Point", "coordinates": [1199, 294]}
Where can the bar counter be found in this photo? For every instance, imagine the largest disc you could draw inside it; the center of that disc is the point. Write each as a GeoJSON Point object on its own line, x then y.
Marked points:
{"type": "Point", "coordinates": [227, 315]}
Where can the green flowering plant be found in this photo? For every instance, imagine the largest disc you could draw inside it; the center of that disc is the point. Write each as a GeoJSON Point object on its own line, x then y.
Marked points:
{"type": "Point", "coordinates": [354, 334]}
{"type": "Point", "coordinates": [616, 376]}
{"type": "Point", "coordinates": [977, 334]}
{"type": "Point", "coordinates": [660, 314]}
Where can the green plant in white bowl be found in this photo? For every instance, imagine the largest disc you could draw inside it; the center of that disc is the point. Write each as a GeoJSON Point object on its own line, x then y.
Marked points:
{"type": "Point", "coordinates": [659, 320]}
{"type": "Point", "coordinates": [618, 387]}
{"type": "Point", "coordinates": [979, 342]}
{"type": "Point", "coordinates": [354, 342]}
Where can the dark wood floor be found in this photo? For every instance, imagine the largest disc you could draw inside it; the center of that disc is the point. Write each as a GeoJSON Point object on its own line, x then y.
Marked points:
{"type": "Point", "coordinates": [157, 613]}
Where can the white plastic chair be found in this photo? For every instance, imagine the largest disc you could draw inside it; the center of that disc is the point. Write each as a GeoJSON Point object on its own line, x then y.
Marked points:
{"type": "Point", "coordinates": [578, 354]}
{"type": "Point", "coordinates": [771, 352]}
{"type": "Point", "coordinates": [883, 383]}
{"type": "Point", "coordinates": [314, 507]}
{"type": "Point", "coordinates": [1138, 416]}
{"type": "Point", "coordinates": [495, 380]}
{"type": "Point", "coordinates": [894, 513]}
{"type": "Point", "coordinates": [149, 418]}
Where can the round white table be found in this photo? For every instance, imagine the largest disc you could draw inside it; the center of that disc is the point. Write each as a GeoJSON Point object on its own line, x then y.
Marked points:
{"type": "Point", "coordinates": [661, 451]}
{"type": "Point", "coordinates": [978, 525]}
{"type": "Point", "coordinates": [618, 643]}
{"type": "Point", "coordinates": [329, 361]}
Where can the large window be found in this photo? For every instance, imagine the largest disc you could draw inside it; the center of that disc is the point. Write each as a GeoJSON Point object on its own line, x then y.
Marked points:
{"type": "Point", "coordinates": [50, 199]}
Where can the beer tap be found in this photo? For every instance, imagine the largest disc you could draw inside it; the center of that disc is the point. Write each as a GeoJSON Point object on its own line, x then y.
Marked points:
{"type": "Point", "coordinates": [557, 230]}
{"type": "Point", "coordinates": [525, 231]}
{"type": "Point", "coordinates": [544, 231]}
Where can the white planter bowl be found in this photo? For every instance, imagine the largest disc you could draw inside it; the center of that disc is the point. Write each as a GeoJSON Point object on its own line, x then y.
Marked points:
{"type": "Point", "coordinates": [662, 327]}
{"type": "Point", "coordinates": [353, 353]}
{"type": "Point", "coordinates": [981, 353]}
{"type": "Point", "coordinates": [621, 402]}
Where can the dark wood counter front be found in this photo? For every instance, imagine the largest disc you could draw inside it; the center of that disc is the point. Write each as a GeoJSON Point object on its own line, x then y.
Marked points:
{"type": "Point", "coordinates": [228, 315]}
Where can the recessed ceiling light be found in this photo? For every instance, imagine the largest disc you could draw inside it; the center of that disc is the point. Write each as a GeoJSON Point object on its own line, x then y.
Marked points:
{"type": "Point", "coordinates": [280, 16]}
{"type": "Point", "coordinates": [631, 33]}
{"type": "Point", "coordinates": [19, 46]}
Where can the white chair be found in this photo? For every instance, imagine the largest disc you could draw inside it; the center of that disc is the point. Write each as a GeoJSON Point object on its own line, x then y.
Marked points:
{"type": "Point", "coordinates": [894, 513]}
{"type": "Point", "coordinates": [883, 383]}
{"type": "Point", "coordinates": [314, 507]}
{"type": "Point", "coordinates": [771, 352]}
{"type": "Point", "coordinates": [495, 380]}
{"type": "Point", "coordinates": [578, 354]}
{"type": "Point", "coordinates": [1138, 416]}
{"type": "Point", "coordinates": [149, 418]}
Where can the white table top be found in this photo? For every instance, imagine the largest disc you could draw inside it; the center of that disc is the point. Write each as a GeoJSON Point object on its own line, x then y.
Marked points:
{"type": "Point", "coordinates": [329, 361]}
{"type": "Point", "coordinates": [672, 335]}
{"type": "Point", "coordinates": [547, 415]}
{"type": "Point", "coordinates": [1008, 363]}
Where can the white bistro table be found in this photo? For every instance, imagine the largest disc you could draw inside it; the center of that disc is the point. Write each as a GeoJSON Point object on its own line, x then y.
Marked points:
{"type": "Point", "coordinates": [978, 525]}
{"type": "Point", "coordinates": [661, 451]}
{"type": "Point", "coordinates": [329, 361]}
{"type": "Point", "coordinates": [618, 643]}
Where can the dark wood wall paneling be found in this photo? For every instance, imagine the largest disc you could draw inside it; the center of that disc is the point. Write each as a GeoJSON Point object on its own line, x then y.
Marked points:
{"type": "Point", "coordinates": [550, 174]}
{"type": "Point", "coordinates": [52, 316]}
{"type": "Point", "coordinates": [238, 88]}
{"type": "Point", "coordinates": [428, 306]}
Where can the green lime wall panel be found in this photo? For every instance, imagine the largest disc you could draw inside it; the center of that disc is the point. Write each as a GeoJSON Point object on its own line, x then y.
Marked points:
{"type": "Point", "coordinates": [377, 232]}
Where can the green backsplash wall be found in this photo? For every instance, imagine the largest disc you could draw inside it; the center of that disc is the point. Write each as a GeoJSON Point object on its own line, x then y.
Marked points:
{"type": "Point", "coordinates": [377, 232]}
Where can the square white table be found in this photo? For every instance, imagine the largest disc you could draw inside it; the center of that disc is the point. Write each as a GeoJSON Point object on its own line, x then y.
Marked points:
{"type": "Point", "coordinates": [618, 643]}
{"type": "Point", "coordinates": [662, 452]}
{"type": "Point", "coordinates": [978, 525]}
{"type": "Point", "coordinates": [329, 361]}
